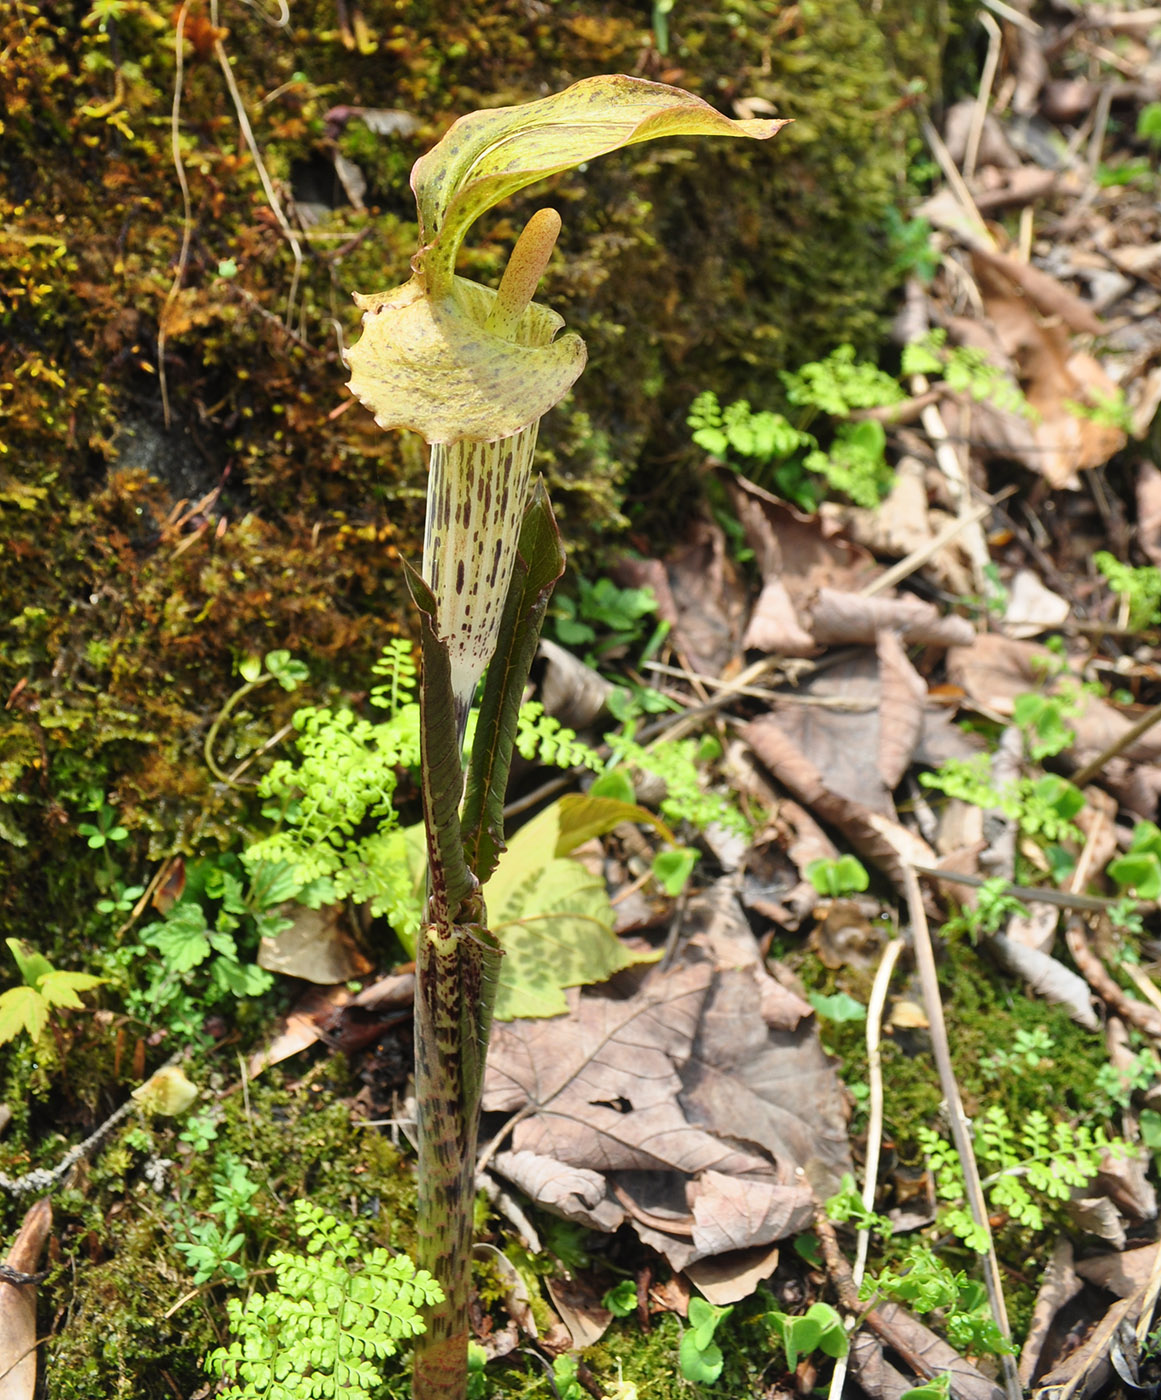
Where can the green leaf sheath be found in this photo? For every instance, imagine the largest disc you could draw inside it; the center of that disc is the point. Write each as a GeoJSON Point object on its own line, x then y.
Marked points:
{"type": "Point", "coordinates": [457, 971]}
{"type": "Point", "coordinates": [476, 498]}
{"type": "Point", "coordinates": [538, 565]}
{"type": "Point", "coordinates": [450, 880]}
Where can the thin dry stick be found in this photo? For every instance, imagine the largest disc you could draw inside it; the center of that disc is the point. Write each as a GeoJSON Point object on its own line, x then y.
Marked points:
{"type": "Point", "coordinates": [874, 1125]}
{"type": "Point", "coordinates": [187, 211]}
{"type": "Point", "coordinates": [980, 111]}
{"type": "Point", "coordinates": [956, 181]}
{"type": "Point", "coordinates": [960, 1128]}
{"type": "Point", "coordinates": [1119, 745]}
{"type": "Point", "coordinates": [267, 186]}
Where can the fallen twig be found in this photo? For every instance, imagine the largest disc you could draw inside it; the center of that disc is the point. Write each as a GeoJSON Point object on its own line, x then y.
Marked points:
{"type": "Point", "coordinates": [958, 1120]}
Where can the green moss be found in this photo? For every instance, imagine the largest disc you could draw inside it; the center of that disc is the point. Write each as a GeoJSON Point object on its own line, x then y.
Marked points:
{"type": "Point", "coordinates": [137, 1326]}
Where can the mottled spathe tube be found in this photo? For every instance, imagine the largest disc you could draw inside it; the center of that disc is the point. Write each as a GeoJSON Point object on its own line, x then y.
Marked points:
{"type": "Point", "coordinates": [476, 492]}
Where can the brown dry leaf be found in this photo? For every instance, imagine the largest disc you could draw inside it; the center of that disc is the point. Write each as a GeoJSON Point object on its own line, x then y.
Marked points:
{"type": "Point", "coordinates": [730, 1213]}
{"type": "Point", "coordinates": [1059, 1284]}
{"type": "Point", "coordinates": [997, 272]}
{"type": "Point", "coordinates": [728, 1278]}
{"type": "Point", "coordinates": [844, 619]}
{"type": "Point", "coordinates": [966, 1382]}
{"type": "Point", "coordinates": [863, 721]}
{"type": "Point", "coordinates": [996, 669]}
{"type": "Point", "coordinates": [18, 1306]}
{"type": "Point", "coordinates": [874, 835]}
{"type": "Point", "coordinates": [902, 698]}
{"type": "Point", "coordinates": [1122, 1273]}
{"type": "Point", "coordinates": [318, 947]}
{"type": "Point", "coordinates": [579, 1306]}
{"type": "Point", "coordinates": [300, 1028]}
{"type": "Point", "coordinates": [714, 920]}
{"type": "Point", "coordinates": [664, 1077]}
{"type": "Point", "coordinates": [575, 1193]}
{"type": "Point", "coordinates": [1088, 1369]}
{"type": "Point", "coordinates": [699, 594]}
{"type": "Point", "coordinates": [1058, 443]}
{"type": "Point", "coordinates": [904, 524]}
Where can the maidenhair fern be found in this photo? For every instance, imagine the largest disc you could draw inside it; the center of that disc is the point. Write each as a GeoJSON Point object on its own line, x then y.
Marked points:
{"type": "Point", "coordinates": [336, 1312]}
{"type": "Point", "coordinates": [1029, 1166]}
{"type": "Point", "coordinates": [338, 826]}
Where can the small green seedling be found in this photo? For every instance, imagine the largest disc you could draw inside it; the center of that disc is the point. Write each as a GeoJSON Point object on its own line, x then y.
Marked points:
{"type": "Point", "coordinates": [839, 1008]}
{"type": "Point", "coordinates": [672, 868]}
{"type": "Point", "coordinates": [938, 1388]}
{"type": "Point", "coordinates": [819, 1328]}
{"type": "Point", "coordinates": [621, 1300]}
{"type": "Point", "coordinates": [564, 1376]}
{"type": "Point", "coordinates": [44, 989]}
{"type": "Point", "coordinates": [834, 878]}
{"type": "Point", "coordinates": [1139, 590]}
{"type": "Point", "coordinates": [1138, 871]}
{"type": "Point", "coordinates": [699, 1355]}
{"type": "Point", "coordinates": [105, 829]}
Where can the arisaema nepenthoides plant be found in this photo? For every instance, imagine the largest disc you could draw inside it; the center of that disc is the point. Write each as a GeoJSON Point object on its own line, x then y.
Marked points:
{"type": "Point", "coordinates": [474, 370]}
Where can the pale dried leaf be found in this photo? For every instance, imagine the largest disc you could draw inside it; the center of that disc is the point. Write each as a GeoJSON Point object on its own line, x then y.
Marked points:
{"type": "Point", "coordinates": [774, 625]}
{"type": "Point", "coordinates": [728, 1278]}
{"type": "Point", "coordinates": [18, 1306]}
{"type": "Point", "coordinates": [1149, 511]}
{"type": "Point", "coordinates": [575, 1193]}
{"type": "Point", "coordinates": [1035, 929]}
{"type": "Point", "coordinates": [1032, 608]}
{"type": "Point", "coordinates": [318, 947]}
{"type": "Point", "coordinates": [1047, 978]}
{"type": "Point", "coordinates": [901, 703]}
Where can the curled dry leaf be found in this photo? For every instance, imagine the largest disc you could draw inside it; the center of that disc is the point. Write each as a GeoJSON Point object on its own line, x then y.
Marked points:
{"type": "Point", "coordinates": [876, 836]}
{"type": "Point", "coordinates": [1059, 1284]}
{"type": "Point", "coordinates": [967, 1383]}
{"type": "Point", "coordinates": [844, 619]}
{"type": "Point", "coordinates": [1047, 978]}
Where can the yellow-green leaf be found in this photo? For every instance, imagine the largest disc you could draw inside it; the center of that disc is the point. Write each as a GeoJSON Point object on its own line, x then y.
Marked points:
{"type": "Point", "coordinates": [60, 988]}
{"type": "Point", "coordinates": [487, 156]}
{"type": "Point", "coordinates": [427, 359]}
{"type": "Point", "coordinates": [554, 922]}
{"type": "Point", "coordinates": [22, 1009]}
{"type": "Point", "coordinates": [583, 816]}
